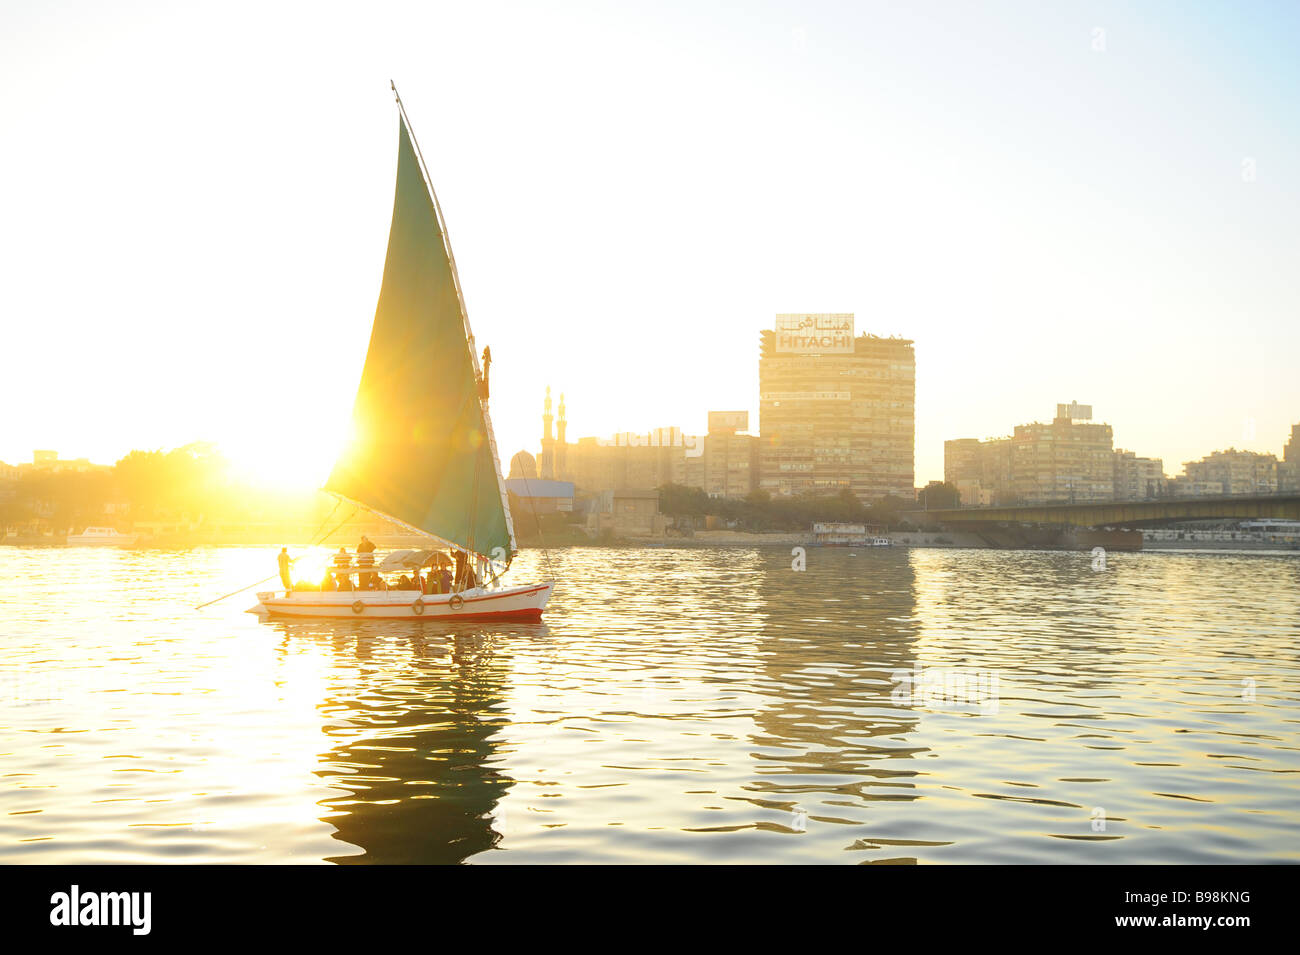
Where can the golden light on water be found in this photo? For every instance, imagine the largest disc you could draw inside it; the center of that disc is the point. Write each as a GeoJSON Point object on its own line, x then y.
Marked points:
{"type": "Point", "coordinates": [647, 723]}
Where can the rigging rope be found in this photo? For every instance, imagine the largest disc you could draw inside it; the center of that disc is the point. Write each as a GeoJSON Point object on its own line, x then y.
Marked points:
{"type": "Point", "coordinates": [318, 543]}
{"type": "Point", "coordinates": [541, 538]}
{"type": "Point", "coordinates": [338, 502]}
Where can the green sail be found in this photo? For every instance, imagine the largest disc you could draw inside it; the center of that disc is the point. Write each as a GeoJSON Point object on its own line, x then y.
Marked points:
{"type": "Point", "coordinates": [422, 449]}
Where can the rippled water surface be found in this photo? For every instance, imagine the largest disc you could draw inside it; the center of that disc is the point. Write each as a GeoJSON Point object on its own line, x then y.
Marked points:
{"type": "Point", "coordinates": [676, 706]}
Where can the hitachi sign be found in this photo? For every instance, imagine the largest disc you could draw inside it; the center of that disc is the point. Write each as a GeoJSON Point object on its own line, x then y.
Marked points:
{"type": "Point", "coordinates": [815, 334]}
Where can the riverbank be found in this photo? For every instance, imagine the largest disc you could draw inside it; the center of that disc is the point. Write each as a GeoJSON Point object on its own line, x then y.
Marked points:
{"type": "Point", "coordinates": [1026, 539]}
{"type": "Point", "coordinates": [1160, 540]}
{"type": "Point", "coordinates": [1269, 547]}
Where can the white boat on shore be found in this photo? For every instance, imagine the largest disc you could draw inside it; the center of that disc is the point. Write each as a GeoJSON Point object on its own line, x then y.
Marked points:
{"type": "Point", "coordinates": [829, 534]}
{"type": "Point", "coordinates": [101, 537]}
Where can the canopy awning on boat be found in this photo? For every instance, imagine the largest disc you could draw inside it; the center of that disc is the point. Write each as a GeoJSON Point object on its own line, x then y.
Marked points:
{"type": "Point", "coordinates": [395, 562]}
{"type": "Point", "coordinates": [404, 560]}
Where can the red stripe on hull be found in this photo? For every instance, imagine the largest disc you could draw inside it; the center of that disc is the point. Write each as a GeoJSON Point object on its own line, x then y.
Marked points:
{"type": "Point", "coordinates": [440, 603]}
{"type": "Point", "coordinates": [530, 613]}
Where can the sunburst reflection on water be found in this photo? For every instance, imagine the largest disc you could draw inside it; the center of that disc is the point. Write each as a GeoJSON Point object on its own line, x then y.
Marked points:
{"type": "Point", "coordinates": [678, 705]}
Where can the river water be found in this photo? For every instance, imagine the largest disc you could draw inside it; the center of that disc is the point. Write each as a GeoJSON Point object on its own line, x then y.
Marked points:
{"type": "Point", "coordinates": [692, 705]}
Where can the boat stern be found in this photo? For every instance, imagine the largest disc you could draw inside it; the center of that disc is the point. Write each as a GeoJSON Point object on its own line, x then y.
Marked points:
{"type": "Point", "coordinates": [260, 607]}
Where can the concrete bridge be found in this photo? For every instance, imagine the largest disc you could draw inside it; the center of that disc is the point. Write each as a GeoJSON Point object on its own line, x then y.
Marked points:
{"type": "Point", "coordinates": [1147, 513]}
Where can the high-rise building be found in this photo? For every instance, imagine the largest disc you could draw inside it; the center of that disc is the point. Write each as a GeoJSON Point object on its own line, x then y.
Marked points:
{"type": "Point", "coordinates": [1138, 478]}
{"type": "Point", "coordinates": [730, 458]}
{"type": "Point", "coordinates": [1288, 469]}
{"type": "Point", "coordinates": [1068, 460]}
{"type": "Point", "coordinates": [981, 470]}
{"type": "Point", "coordinates": [1230, 472]}
{"type": "Point", "coordinates": [837, 411]}
{"type": "Point", "coordinates": [961, 460]}
{"type": "Point", "coordinates": [1065, 462]}
{"type": "Point", "coordinates": [995, 468]}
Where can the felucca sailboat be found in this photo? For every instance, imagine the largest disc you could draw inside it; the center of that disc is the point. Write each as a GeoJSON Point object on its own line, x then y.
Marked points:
{"type": "Point", "coordinates": [423, 455]}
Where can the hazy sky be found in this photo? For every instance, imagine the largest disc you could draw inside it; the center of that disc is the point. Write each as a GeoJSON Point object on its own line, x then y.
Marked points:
{"type": "Point", "coordinates": [1096, 202]}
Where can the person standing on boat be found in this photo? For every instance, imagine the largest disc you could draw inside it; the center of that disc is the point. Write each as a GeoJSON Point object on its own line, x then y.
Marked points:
{"type": "Point", "coordinates": [343, 564]}
{"type": "Point", "coordinates": [366, 558]}
{"type": "Point", "coordinates": [283, 560]}
{"type": "Point", "coordinates": [465, 579]}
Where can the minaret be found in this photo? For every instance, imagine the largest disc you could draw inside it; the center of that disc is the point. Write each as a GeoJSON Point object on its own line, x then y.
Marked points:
{"type": "Point", "coordinates": [562, 448]}
{"type": "Point", "coordinates": [547, 464]}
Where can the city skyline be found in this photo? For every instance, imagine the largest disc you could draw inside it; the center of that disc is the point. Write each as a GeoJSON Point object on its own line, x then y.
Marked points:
{"type": "Point", "coordinates": [174, 225]}
{"type": "Point", "coordinates": [47, 455]}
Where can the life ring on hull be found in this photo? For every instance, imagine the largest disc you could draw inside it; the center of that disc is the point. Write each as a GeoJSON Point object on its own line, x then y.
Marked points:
{"type": "Point", "coordinates": [358, 606]}
{"type": "Point", "coordinates": [456, 602]}
{"type": "Point", "coordinates": [418, 606]}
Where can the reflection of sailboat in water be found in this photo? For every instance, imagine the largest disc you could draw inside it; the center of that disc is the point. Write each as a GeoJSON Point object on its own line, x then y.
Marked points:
{"type": "Point", "coordinates": [415, 754]}
{"type": "Point", "coordinates": [423, 456]}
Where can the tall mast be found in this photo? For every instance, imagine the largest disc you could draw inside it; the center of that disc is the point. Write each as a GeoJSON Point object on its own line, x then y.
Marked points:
{"type": "Point", "coordinates": [464, 315]}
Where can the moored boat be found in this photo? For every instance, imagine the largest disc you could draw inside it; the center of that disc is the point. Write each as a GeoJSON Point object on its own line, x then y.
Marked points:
{"type": "Point", "coordinates": [101, 536]}
{"type": "Point", "coordinates": [831, 534]}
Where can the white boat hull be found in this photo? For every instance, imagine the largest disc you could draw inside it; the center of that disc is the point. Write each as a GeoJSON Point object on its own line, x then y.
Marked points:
{"type": "Point", "coordinates": [507, 603]}
{"type": "Point", "coordinates": [101, 540]}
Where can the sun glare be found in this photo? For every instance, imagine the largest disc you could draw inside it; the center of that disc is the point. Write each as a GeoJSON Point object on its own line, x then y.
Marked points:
{"type": "Point", "coordinates": [298, 461]}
